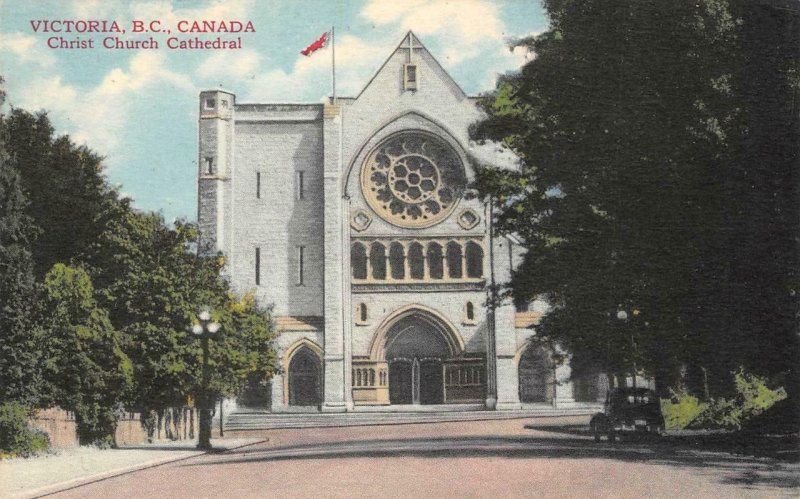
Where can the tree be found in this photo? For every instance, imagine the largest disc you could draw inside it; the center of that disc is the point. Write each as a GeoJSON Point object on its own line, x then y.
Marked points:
{"type": "Point", "coordinates": [64, 183]}
{"type": "Point", "coordinates": [85, 363]}
{"type": "Point", "coordinates": [121, 289]}
{"type": "Point", "coordinates": [21, 345]}
{"type": "Point", "coordinates": [153, 284]}
{"type": "Point", "coordinates": [631, 127]}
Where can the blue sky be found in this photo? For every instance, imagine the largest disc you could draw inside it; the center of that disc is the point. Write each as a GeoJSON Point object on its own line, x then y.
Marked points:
{"type": "Point", "coordinates": [137, 108]}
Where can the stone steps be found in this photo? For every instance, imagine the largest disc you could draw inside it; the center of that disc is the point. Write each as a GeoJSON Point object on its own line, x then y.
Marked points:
{"type": "Point", "coordinates": [246, 419]}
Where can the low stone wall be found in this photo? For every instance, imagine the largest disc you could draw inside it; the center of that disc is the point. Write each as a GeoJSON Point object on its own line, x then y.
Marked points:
{"type": "Point", "coordinates": [60, 426]}
{"type": "Point", "coordinates": [129, 430]}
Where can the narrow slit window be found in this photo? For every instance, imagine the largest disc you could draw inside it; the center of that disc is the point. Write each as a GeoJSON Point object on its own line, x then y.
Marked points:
{"type": "Point", "coordinates": [470, 311]}
{"type": "Point", "coordinates": [301, 250]}
{"type": "Point", "coordinates": [258, 266]}
{"type": "Point", "coordinates": [362, 313]}
{"type": "Point", "coordinates": [209, 165]}
{"type": "Point", "coordinates": [258, 185]}
{"type": "Point", "coordinates": [301, 188]}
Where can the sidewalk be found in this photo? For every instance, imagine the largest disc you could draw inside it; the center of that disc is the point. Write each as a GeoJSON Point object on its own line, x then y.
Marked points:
{"type": "Point", "coordinates": [70, 468]}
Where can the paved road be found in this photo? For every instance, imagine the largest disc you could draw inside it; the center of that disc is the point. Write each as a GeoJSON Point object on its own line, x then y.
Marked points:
{"type": "Point", "coordinates": [556, 458]}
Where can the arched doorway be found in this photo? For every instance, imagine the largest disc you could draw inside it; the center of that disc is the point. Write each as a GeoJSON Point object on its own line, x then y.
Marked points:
{"type": "Point", "coordinates": [537, 379]}
{"type": "Point", "coordinates": [416, 348]}
{"type": "Point", "coordinates": [305, 372]}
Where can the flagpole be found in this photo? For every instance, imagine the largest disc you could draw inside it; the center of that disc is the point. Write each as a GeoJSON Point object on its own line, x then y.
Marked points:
{"type": "Point", "coordinates": [333, 63]}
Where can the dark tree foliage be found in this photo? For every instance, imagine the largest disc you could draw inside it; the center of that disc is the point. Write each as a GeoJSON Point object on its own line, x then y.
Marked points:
{"type": "Point", "coordinates": [642, 188]}
{"type": "Point", "coordinates": [766, 185]}
{"type": "Point", "coordinates": [98, 299]}
{"type": "Point", "coordinates": [67, 192]}
{"type": "Point", "coordinates": [20, 337]}
{"type": "Point", "coordinates": [153, 285]}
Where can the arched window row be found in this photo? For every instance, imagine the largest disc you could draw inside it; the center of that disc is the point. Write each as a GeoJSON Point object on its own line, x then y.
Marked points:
{"type": "Point", "coordinates": [413, 260]}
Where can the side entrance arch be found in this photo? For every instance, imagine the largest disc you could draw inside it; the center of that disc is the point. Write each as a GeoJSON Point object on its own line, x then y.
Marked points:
{"type": "Point", "coordinates": [303, 369]}
{"type": "Point", "coordinates": [537, 375]}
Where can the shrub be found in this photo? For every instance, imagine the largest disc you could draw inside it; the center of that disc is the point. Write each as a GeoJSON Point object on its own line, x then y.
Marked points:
{"type": "Point", "coordinates": [16, 438]}
{"type": "Point", "coordinates": [753, 397]}
{"type": "Point", "coordinates": [681, 410]}
{"type": "Point", "coordinates": [756, 396]}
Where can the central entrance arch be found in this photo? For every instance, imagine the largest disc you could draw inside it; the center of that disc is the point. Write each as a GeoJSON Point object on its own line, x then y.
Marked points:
{"type": "Point", "coordinates": [416, 342]}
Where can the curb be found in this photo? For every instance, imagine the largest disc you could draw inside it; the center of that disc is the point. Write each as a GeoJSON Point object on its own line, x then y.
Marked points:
{"type": "Point", "coordinates": [99, 477]}
{"type": "Point", "coordinates": [355, 423]}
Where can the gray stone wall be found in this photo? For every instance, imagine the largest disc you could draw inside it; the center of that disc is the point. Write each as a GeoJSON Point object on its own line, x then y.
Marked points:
{"type": "Point", "coordinates": [278, 221]}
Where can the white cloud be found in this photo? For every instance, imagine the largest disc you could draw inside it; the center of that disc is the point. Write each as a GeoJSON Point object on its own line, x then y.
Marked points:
{"type": "Point", "coordinates": [26, 49]}
{"type": "Point", "coordinates": [101, 115]}
{"type": "Point", "coordinates": [494, 154]}
{"type": "Point", "coordinates": [466, 20]}
{"type": "Point", "coordinates": [95, 9]}
{"type": "Point", "coordinates": [240, 64]}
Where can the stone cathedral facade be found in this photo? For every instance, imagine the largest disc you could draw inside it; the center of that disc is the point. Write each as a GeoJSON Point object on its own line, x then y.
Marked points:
{"type": "Point", "coordinates": [351, 218]}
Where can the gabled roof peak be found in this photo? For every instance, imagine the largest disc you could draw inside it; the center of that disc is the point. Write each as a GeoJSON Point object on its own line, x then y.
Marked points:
{"type": "Point", "coordinates": [412, 43]}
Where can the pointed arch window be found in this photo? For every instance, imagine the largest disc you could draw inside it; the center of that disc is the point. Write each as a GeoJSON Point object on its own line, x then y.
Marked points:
{"type": "Point", "coordinates": [454, 270]}
{"type": "Point", "coordinates": [358, 260]}
{"type": "Point", "coordinates": [416, 261]}
{"type": "Point", "coordinates": [362, 314]}
{"type": "Point", "coordinates": [474, 258]}
{"type": "Point", "coordinates": [377, 259]}
{"type": "Point", "coordinates": [397, 261]}
{"type": "Point", "coordinates": [434, 257]}
{"type": "Point", "coordinates": [470, 314]}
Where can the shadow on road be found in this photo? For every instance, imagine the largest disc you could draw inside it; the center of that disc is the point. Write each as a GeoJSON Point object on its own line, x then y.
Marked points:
{"type": "Point", "coordinates": [745, 471]}
{"type": "Point", "coordinates": [781, 447]}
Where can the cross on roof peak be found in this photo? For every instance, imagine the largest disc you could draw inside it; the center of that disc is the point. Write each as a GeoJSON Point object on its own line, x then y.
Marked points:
{"type": "Point", "coordinates": [408, 44]}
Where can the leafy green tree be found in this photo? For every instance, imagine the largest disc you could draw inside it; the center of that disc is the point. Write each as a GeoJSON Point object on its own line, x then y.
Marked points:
{"type": "Point", "coordinates": [154, 284]}
{"type": "Point", "coordinates": [68, 196]}
{"type": "Point", "coordinates": [85, 363]}
{"type": "Point", "coordinates": [116, 322]}
{"type": "Point", "coordinates": [244, 347]}
{"type": "Point", "coordinates": [635, 192]}
{"type": "Point", "coordinates": [21, 344]}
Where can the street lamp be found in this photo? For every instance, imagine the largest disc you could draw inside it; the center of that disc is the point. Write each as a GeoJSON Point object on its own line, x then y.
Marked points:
{"type": "Point", "coordinates": [623, 317]}
{"type": "Point", "coordinates": [204, 329]}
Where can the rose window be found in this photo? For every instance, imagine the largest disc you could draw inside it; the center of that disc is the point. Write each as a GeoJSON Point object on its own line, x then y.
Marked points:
{"type": "Point", "coordinates": [413, 179]}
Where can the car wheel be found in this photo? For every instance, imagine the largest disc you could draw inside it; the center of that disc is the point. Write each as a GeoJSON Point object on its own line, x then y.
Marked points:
{"type": "Point", "coordinates": [596, 432]}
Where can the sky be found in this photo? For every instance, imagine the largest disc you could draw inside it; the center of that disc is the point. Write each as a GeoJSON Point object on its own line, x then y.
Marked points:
{"type": "Point", "coordinates": [138, 107]}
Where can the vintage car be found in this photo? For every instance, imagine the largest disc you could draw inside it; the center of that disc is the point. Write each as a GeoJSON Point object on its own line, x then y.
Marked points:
{"type": "Point", "coordinates": [628, 410]}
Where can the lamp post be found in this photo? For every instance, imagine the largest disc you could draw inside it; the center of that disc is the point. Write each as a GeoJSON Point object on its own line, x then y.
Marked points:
{"type": "Point", "coordinates": [204, 329]}
{"type": "Point", "coordinates": [623, 317]}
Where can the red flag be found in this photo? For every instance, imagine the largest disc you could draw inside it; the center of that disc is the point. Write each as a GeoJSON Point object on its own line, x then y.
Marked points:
{"type": "Point", "coordinates": [321, 42]}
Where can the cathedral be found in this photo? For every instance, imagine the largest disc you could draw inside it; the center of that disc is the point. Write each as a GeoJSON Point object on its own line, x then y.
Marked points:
{"type": "Point", "coordinates": [351, 219]}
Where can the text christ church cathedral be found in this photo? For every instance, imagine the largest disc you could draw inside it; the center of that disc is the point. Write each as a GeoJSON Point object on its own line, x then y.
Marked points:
{"type": "Point", "coordinates": [351, 219]}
